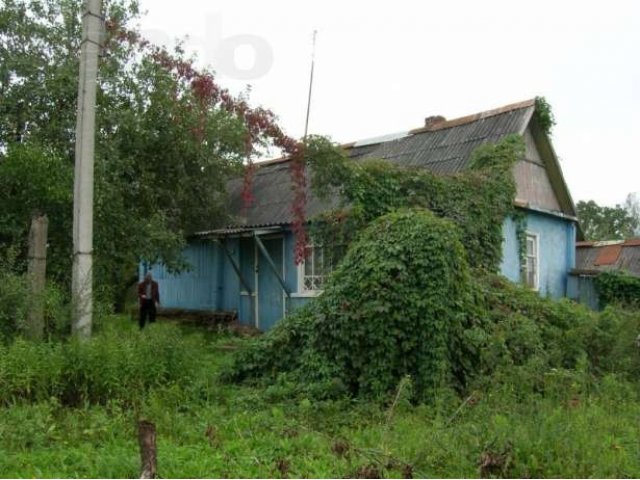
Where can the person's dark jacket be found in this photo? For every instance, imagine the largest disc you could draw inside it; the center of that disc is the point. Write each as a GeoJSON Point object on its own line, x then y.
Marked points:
{"type": "Point", "coordinates": [155, 293]}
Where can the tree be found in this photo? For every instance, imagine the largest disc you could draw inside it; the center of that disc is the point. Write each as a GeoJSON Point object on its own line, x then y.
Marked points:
{"type": "Point", "coordinates": [632, 205]}
{"type": "Point", "coordinates": [168, 138]}
{"type": "Point", "coordinates": [607, 223]}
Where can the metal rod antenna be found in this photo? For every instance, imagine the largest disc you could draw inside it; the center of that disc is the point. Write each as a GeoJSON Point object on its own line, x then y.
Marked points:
{"type": "Point", "coordinates": [313, 61]}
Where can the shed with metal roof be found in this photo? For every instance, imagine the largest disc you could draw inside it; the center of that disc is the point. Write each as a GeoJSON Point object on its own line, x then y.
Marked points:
{"type": "Point", "coordinates": [595, 257]}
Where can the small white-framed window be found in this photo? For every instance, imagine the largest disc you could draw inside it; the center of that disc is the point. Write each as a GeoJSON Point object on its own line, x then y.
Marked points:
{"type": "Point", "coordinates": [316, 268]}
{"type": "Point", "coordinates": [531, 265]}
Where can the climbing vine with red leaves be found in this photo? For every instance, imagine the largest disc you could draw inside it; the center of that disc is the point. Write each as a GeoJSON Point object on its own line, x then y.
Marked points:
{"type": "Point", "coordinates": [259, 122]}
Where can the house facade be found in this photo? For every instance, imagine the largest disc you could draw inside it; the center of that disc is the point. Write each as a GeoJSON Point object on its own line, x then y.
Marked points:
{"type": "Point", "coordinates": [249, 266]}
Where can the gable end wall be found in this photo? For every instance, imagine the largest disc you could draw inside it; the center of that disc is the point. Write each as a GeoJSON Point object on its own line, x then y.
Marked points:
{"type": "Point", "coordinates": [533, 186]}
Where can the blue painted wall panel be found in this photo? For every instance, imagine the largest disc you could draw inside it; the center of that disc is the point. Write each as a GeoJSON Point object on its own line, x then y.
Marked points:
{"type": "Point", "coordinates": [510, 266]}
{"type": "Point", "coordinates": [246, 256]}
{"type": "Point", "coordinates": [291, 269]}
{"type": "Point", "coordinates": [556, 256]}
{"type": "Point", "coordinates": [271, 302]}
{"type": "Point", "coordinates": [230, 283]}
{"type": "Point", "coordinates": [246, 310]}
{"type": "Point", "coordinates": [197, 288]}
{"type": "Point", "coordinates": [582, 289]}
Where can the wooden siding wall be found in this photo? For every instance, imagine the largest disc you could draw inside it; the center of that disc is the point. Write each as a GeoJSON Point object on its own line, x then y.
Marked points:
{"type": "Point", "coordinates": [532, 179]}
{"type": "Point", "coordinates": [198, 288]}
{"type": "Point", "coordinates": [582, 289]}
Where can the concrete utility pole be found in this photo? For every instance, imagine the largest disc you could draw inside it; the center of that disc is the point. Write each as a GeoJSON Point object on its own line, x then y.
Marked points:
{"type": "Point", "coordinates": [81, 287]}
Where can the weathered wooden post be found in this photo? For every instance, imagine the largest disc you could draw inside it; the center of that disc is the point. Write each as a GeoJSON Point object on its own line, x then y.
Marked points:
{"type": "Point", "coordinates": [37, 272]}
{"type": "Point", "coordinates": [148, 456]}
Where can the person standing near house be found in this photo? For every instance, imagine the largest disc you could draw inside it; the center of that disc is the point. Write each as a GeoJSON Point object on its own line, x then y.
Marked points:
{"type": "Point", "coordinates": [149, 297]}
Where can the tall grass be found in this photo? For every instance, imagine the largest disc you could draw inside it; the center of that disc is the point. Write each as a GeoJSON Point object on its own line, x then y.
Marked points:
{"type": "Point", "coordinates": [239, 433]}
{"type": "Point", "coordinates": [120, 364]}
{"type": "Point", "coordinates": [567, 422]}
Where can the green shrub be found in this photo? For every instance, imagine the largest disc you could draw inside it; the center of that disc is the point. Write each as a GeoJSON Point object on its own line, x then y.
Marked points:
{"type": "Point", "coordinates": [614, 345]}
{"type": "Point", "coordinates": [14, 301]}
{"type": "Point", "coordinates": [477, 200]}
{"type": "Point", "coordinates": [618, 287]}
{"type": "Point", "coordinates": [16, 297]}
{"type": "Point", "coordinates": [395, 306]}
{"type": "Point", "coordinates": [521, 336]}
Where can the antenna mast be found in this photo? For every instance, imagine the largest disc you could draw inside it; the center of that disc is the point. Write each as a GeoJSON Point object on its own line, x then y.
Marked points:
{"type": "Point", "coordinates": [313, 61]}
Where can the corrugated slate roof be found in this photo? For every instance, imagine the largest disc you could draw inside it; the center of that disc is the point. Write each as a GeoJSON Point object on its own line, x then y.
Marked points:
{"type": "Point", "coordinates": [590, 255]}
{"type": "Point", "coordinates": [443, 147]}
{"type": "Point", "coordinates": [273, 194]}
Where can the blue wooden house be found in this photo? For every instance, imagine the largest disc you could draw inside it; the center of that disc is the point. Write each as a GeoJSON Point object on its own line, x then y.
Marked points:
{"type": "Point", "coordinates": [249, 266]}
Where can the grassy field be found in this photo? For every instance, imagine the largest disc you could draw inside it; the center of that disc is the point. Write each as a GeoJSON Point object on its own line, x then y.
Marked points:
{"type": "Point", "coordinates": [209, 429]}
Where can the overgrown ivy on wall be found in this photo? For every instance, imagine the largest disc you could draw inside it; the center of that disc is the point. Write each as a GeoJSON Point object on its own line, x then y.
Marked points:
{"type": "Point", "coordinates": [477, 200]}
{"type": "Point", "coordinates": [395, 306]}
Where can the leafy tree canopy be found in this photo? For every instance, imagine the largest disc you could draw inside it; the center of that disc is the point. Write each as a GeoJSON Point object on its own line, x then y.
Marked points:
{"type": "Point", "coordinates": [168, 137]}
{"type": "Point", "coordinates": [609, 223]}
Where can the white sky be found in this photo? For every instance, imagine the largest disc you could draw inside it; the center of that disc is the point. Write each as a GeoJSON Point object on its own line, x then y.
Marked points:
{"type": "Point", "coordinates": [381, 67]}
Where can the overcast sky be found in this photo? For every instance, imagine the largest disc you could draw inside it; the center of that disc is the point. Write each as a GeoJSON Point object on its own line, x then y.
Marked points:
{"type": "Point", "coordinates": [381, 67]}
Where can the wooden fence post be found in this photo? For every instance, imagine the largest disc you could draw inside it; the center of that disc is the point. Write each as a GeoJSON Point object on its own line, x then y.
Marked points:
{"type": "Point", "coordinates": [148, 455]}
{"type": "Point", "coordinates": [37, 272]}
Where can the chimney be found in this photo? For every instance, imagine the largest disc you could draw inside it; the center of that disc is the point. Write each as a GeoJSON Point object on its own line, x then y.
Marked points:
{"type": "Point", "coordinates": [433, 121]}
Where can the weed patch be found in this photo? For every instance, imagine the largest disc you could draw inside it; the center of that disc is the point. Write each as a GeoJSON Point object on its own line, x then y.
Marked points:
{"type": "Point", "coordinates": [208, 429]}
{"type": "Point", "coordinates": [118, 365]}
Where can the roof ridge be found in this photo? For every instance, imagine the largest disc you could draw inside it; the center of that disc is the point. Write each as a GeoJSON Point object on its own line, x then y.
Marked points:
{"type": "Point", "coordinates": [628, 242]}
{"type": "Point", "coordinates": [454, 122]}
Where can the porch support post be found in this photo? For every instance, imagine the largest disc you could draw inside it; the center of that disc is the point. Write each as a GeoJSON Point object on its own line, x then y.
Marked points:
{"type": "Point", "coordinates": [272, 265]}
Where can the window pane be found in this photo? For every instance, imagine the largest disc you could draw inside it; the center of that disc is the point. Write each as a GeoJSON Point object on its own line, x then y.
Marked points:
{"type": "Point", "coordinates": [530, 246]}
{"type": "Point", "coordinates": [308, 284]}
{"type": "Point", "coordinates": [531, 263]}
{"type": "Point", "coordinates": [319, 265]}
{"type": "Point", "coordinates": [308, 263]}
{"type": "Point", "coordinates": [318, 261]}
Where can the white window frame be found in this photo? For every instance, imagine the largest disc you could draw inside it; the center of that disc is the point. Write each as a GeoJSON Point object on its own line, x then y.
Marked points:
{"type": "Point", "coordinates": [302, 291]}
{"type": "Point", "coordinates": [536, 257]}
